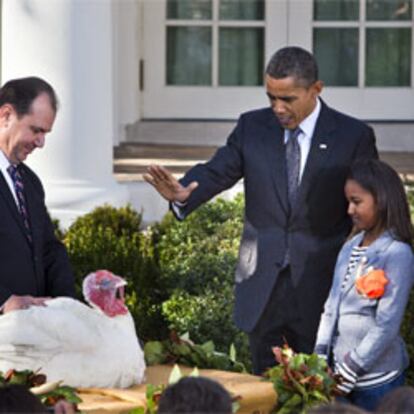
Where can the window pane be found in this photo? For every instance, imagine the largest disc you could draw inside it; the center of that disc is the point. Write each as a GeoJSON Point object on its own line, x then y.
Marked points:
{"type": "Point", "coordinates": [336, 10]}
{"type": "Point", "coordinates": [241, 57]}
{"type": "Point", "coordinates": [389, 10]}
{"type": "Point", "coordinates": [242, 9]}
{"type": "Point", "coordinates": [189, 9]}
{"type": "Point", "coordinates": [336, 51]}
{"type": "Point", "coordinates": [188, 55]}
{"type": "Point", "coordinates": [388, 57]}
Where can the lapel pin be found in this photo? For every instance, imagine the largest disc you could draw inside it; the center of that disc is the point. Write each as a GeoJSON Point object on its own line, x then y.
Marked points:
{"type": "Point", "coordinates": [323, 146]}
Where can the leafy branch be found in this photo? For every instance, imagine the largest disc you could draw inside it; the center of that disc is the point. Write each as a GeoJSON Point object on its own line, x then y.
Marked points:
{"type": "Point", "coordinates": [182, 350]}
{"type": "Point", "coordinates": [48, 393]}
{"type": "Point", "coordinates": [301, 381]}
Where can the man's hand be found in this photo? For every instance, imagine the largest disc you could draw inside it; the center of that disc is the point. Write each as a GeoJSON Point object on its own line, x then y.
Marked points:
{"type": "Point", "coordinates": [346, 378]}
{"type": "Point", "coordinates": [15, 302]}
{"type": "Point", "coordinates": [165, 183]}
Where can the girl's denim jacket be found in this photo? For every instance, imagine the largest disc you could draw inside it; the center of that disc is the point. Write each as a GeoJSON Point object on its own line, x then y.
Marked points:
{"type": "Point", "coordinates": [368, 329]}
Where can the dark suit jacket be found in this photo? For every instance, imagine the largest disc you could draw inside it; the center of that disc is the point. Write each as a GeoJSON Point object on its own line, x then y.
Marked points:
{"type": "Point", "coordinates": [318, 224]}
{"type": "Point", "coordinates": [40, 269]}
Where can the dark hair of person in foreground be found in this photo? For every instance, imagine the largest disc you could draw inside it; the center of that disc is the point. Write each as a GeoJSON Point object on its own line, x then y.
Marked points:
{"type": "Point", "coordinates": [398, 401]}
{"type": "Point", "coordinates": [195, 395]}
{"type": "Point", "coordinates": [337, 408]}
{"type": "Point", "coordinates": [18, 399]}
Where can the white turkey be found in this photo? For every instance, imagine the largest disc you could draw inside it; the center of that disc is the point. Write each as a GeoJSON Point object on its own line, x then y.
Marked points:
{"type": "Point", "coordinates": [81, 345]}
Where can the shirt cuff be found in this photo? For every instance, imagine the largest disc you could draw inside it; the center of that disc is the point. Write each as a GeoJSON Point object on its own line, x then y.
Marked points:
{"type": "Point", "coordinates": [177, 209]}
{"type": "Point", "coordinates": [321, 350]}
{"type": "Point", "coordinates": [349, 377]}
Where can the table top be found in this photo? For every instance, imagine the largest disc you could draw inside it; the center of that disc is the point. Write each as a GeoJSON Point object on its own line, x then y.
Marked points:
{"type": "Point", "coordinates": [257, 396]}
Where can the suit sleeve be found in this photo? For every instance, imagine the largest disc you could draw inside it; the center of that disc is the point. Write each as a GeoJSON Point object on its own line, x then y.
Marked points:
{"type": "Point", "coordinates": [57, 268]}
{"type": "Point", "coordinates": [4, 295]}
{"type": "Point", "coordinates": [59, 278]}
{"type": "Point", "coordinates": [218, 174]}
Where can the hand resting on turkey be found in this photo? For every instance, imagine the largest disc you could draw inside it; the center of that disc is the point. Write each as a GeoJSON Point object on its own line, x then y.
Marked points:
{"type": "Point", "coordinates": [84, 346]}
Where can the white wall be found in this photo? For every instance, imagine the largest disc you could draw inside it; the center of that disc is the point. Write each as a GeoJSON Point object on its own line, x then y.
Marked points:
{"type": "Point", "coordinates": [70, 44]}
{"type": "Point", "coordinates": [127, 40]}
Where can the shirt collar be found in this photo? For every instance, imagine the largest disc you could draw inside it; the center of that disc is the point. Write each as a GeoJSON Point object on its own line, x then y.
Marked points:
{"type": "Point", "coordinates": [4, 162]}
{"type": "Point", "coordinates": [309, 123]}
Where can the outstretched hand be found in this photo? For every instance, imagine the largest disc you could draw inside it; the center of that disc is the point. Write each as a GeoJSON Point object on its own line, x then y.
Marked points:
{"type": "Point", "coordinates": [167, 185]}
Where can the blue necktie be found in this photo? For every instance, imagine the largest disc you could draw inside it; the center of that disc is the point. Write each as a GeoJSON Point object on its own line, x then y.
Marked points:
{"type": "Point", "coordinates": [19, 189]}
{"type": "Point", "coordinates": [293, 164]}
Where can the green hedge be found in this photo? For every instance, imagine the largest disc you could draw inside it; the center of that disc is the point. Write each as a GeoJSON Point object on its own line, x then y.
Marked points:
{"type": "Point", "coordinates": [196, 259]}
{"type": "Point", "coordinates": [408, 323]}
{"type": "Point", "coordinates": [110, 238]}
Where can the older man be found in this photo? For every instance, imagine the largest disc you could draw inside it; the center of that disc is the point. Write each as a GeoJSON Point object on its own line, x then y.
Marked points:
{"type": "Point", "coordinates": [293, 157]}
{"type": "Point", "coordinates": [34, 264]}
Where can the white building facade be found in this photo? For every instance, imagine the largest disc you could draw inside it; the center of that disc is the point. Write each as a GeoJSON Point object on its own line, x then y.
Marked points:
{"type": "Point", "coordinates": [121, 67]}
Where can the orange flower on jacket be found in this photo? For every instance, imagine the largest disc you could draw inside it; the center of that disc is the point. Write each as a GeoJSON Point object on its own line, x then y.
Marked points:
{"type": "Point", "coordinates": [372, 284]}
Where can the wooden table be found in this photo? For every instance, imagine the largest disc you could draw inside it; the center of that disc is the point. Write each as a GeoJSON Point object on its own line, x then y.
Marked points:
{"type": "Point", "coordinates": [257, 396]}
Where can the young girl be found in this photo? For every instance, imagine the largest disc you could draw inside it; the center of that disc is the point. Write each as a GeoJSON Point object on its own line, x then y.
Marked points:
{"type": "Point", "coordinates": [359, 329]}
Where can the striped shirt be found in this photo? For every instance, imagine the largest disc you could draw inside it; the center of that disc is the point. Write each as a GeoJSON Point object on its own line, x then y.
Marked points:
{"type": "Point", "coordinates": [356, 256]}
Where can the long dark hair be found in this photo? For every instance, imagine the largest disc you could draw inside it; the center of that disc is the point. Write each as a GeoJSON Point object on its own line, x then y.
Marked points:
{"type": "Point", "coordinates": [383, 182]}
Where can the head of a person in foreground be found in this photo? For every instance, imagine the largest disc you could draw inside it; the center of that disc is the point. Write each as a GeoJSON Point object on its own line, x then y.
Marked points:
{"type": "Point", "coordinates": [195, 395]}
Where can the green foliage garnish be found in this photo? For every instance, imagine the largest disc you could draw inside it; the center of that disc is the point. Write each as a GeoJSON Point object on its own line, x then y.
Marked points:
{"type": "Point", "coordinates": [152, 395]}
{"type": "Point", "coordinates": [34, 379]}
{"type": "Point", "coordinates": [62, 392]}
{"type": "Point", "coordinates": [301, 381]}
{"type": "Point", "coordinates": [182, 351]}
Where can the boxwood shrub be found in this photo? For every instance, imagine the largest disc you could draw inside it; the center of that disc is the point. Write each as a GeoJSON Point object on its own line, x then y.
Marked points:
{"type": "Point", "coordinates": [111, 238]}
{"type": "Point", "coordinates": [408, 323]}
{"type": "Point", "coordinates": [197, 259]}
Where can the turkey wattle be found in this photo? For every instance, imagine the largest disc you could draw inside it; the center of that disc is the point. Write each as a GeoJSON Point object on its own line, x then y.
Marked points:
{"type": "Point", "coordinates": [83, 346]}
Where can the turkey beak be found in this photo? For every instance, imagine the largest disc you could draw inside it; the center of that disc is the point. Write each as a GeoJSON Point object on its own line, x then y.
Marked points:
{"type": "Point", "coordinates": [120, 288]}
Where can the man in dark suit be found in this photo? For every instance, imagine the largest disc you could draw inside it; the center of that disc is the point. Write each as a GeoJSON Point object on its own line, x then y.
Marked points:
{"type": "Point", "coordinates": [34, 264]}
{"type": "Point", "coordinates": [293, 158]}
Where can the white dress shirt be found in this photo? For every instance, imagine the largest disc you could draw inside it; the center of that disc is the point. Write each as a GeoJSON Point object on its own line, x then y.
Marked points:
{"type": "Point", "coordinates": [307, 127]}
{"type": "Point", "coordinates": [4, 164]}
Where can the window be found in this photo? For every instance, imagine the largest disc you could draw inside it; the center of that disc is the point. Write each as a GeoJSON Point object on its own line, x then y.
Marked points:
{"type": "Point", "coordinates": [363, 43]}
{"type": "Point", "coordinates": [215, 42]}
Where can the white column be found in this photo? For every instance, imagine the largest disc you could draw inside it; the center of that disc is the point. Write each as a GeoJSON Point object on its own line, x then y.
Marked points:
{"type": "Point", "coordinates": [127, 47]}
{"type": "Point", "coordinates": [69, 43]}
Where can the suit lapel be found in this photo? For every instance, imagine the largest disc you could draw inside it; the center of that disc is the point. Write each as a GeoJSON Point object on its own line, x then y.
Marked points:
{"type": "Point", "coordinates": [275, 157]}
{"type": "Point", "coordinates": [11, 204]}
{"type": "Point", "coordinates": [320, 150]}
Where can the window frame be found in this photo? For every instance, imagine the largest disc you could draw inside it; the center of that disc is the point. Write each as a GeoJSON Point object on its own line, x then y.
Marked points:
{"type": "Point", "coordinates": [215, 24]}
{"type": "Point", "coordinates": [362, 24]}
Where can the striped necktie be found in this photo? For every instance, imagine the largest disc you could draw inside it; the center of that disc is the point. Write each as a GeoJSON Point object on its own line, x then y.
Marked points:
{"type": "Point", "coordinates": [19, 189]}
{"type": "Point", "coordinates": [293, 164]}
